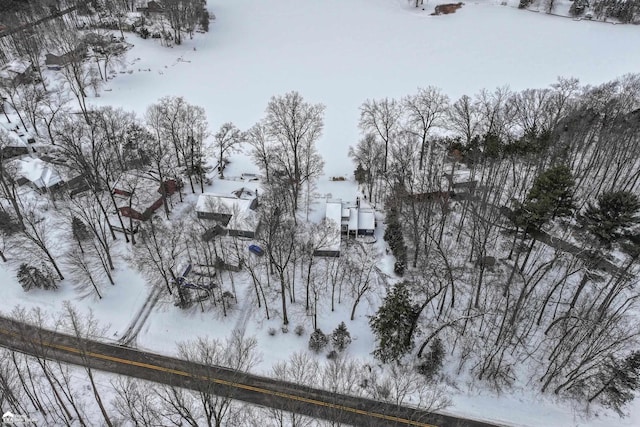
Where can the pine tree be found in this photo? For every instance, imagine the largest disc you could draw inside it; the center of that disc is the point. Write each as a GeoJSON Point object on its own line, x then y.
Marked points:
{"type": "Point", "coordinates": [7, 224]}
{"type": "Point", "coordinates": [623, 382]}
{"type": "Point", "coordinates": [48, 278]}
{"type": "Point", "coordinates": [27, 278]}
{"type": "Point", "coordinates": [394, 237]}
{"type": "Point", "coordinates": [318, 341]}
{"type": "Point", "coordinates": [432, 360]}
{"type": "Point", "coordinates": [392, 324]}
{"type": "Point", "coordinates": [610, 218]}
{"type": "Point", "coordinates": [578, 7]}
{"type": "Point", "coordinates": [341, 338]}
{"type": "Point", "coordinates": [361, 174]}
{"type": "Point", "coordinates": [550, 196]}
{"type": "Point", "coordinates": [31, 277]}
{"type": "Point", "coordinates": [79, 231]}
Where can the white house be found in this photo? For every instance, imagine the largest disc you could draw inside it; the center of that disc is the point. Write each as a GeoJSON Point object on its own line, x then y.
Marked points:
{"type": "Point", "coordinates": [346, 219]}
{"type": "Point", "coordinates": [358, 219]}
{"type": "Point", "coordinates": [333, 219]}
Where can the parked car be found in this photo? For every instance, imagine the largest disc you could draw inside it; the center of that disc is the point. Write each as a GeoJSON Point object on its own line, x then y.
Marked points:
{"type": "Point", "coordinates": [256, 250]}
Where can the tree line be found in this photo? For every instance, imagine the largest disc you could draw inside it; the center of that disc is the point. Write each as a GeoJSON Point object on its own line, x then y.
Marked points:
{"type": "Point", "coordinates": [529, 260]}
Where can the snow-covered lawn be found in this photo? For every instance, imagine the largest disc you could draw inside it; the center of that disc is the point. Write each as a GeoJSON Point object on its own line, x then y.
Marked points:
{"type": "Point", "coordinates": [340, 53]}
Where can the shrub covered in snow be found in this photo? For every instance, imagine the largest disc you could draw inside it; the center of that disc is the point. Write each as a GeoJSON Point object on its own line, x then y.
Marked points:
{"type": "Point", "coordinates": [341, 338]}
{"type": "Point", "coordinates": [318, 341]}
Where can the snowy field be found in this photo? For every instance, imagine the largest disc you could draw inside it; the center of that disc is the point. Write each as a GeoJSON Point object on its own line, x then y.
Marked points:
{"type": "Point", "coordinates": [340, 53]}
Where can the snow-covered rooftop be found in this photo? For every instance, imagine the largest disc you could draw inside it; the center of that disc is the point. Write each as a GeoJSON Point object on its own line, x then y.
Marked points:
{"type": "Point", "coordinates": [243, 217]}
{"type": "Point", "coordinates": [222, 204]}
{"type": "Point", "coordinates": [14, 68]}
{"type": "Point", "coordinates": [40, 173]}
{"type": "Point", "coordinates": [18, 137]}
{"type": "Point", "coordinates": [333, 216]}
{"type": "Point", "coordinates": [366, 219]}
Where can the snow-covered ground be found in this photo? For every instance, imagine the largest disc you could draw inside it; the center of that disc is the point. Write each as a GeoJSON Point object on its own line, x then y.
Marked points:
{"type": "Point", "coordinates": [340, 53]}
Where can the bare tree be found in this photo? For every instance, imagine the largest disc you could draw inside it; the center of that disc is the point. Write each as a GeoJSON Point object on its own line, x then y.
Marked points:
{"type": "Point", "coordinates": [425, 110]}
{"type": "Point", "coordinates": [86, 328]}
{"type": "Point", "coordinates": [226, 140]}
{"type": "Point", "coordinates": [401, 384]}
{"type": "Point", "coordinates": [183, 16]}
{"type": "Point", "coordinates": [294, 125]}
{"type": "Point", "coordinates": [8, 185]}
{"type": "Point", "coordinates": [313, 237]}
{"type": "Point", "coordinates": [184, 126]}
{"type": "Point", "coordinates": [363, 277]}
{"type": "Point", "coordinates": [496, 116]}
{"type": "Point", "coordinates": [463, 118]}
{"type": "Point", "coordinates": [54, 105]}
{"type": "Point", "coordinates": [55, 396]}
{"type": "Point", "coordinates": [31, 100]}
{"type": "Point", "coordinates": [10, 91]}
{"type": "Point", "coordinates": [163, 161]}
{"type": "Point", "coordinates": [134, 403]}
{"type": "Point", "coordinates": [102, 244]}
{"type": "Point", "coordinates": [84, 268]}
{"type": "Point", "coordinates": [368, 156]}
{"type": "Point", "coordinates": [260, 151]}
{"type": "Point", "coordinates": [78, 77]}
{"type": "Point", "coordinates": [36, 234]}
{"type": "Point", "coordinates": [207, 405]}
{"type": "Point", "coordinates": [279, 240]}
{"type": "Point", "coordinates": [158, 254]}
{"type": "Point", "coordinates": [87, 152]}
{"type": "Point", "coordinates": [301, 369]}
{"type": "Point", "coordinates": [381, 118]}
{"type": "Point", "coordinates": [31, 44]}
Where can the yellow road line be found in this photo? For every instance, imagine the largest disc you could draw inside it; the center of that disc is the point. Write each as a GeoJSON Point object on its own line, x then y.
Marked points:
{"type": "Point", "coordinates": [226, 383]}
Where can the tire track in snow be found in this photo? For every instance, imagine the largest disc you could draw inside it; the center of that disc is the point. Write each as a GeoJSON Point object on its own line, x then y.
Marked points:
{"type": "Point", "coordinates": [141, 317]}
{"type": "Point", "coordinates": [245, 311]}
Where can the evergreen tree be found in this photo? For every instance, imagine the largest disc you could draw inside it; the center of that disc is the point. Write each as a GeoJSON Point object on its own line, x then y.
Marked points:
{"type": "Point", "coordinates": [623, 382]}
{"type": "Point", "coordinates": [341, 338]}
{"type": "Point", "coordinates": [578, 7]}
{"type": "Point", "coordinates": [49, 281]}
{"type": "Point", "coordinates": [26, 278]}
{"type": "Point", "coordinates": [318, 341]}
{"type": "Point", "coordinates": [550, 196]}
{"type": "Point", "coordinates": [432, 360]}
{"type": "Point", "coordinates": [392, 324]}
{"type": "Point", "coordinates": [610, 218]}
{"type": "Point", "coordinates": [8, 225]}
{"type": "Point", "coordinates": [79, 229]}
{"type": "Point", "coordinates": [361, 175]}
{"type": "Point", "coordinates": [394, 237]}
{"type": "Point", "coordinates": [31, 277]}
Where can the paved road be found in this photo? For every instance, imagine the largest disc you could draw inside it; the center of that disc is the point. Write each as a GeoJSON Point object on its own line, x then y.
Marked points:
{"type": "Point", "coordinates": [249, 388]}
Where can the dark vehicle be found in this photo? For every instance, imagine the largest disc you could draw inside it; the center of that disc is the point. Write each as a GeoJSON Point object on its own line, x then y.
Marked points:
{"type": "Point", "coordinates": [256, 250]}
